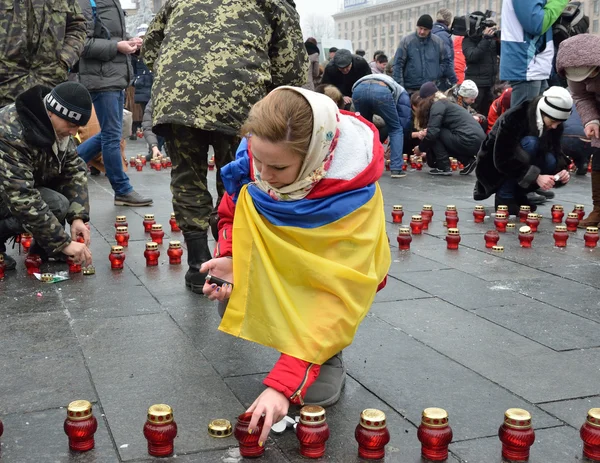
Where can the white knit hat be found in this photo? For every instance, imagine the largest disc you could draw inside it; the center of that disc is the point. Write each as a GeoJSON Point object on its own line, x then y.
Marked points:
{"type": "Point", "coordinates": [556, 103]}
{"type": "Point", "coordinates": [468, 89]}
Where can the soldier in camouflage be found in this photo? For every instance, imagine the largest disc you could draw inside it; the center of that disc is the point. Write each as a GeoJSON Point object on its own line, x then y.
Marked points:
{"type": "Point", "coordinates": [41, 41]}
{"type": "Point", "coordinates": [212, 61]}
{"type": "Point", "coordinates": [43, 181]}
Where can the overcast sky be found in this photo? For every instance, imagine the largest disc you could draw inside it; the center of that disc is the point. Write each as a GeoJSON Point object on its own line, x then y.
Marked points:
{"type": "Point", "coordinates": [318, 7]}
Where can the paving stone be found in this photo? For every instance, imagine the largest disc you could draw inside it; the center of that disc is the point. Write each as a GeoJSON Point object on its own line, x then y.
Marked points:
{"type": "Point", "coordinates": [407, 261]}
{"type": "Point", "coordinates": [396, 290]}
{"type": "Point", "coordinates": [572, 412]}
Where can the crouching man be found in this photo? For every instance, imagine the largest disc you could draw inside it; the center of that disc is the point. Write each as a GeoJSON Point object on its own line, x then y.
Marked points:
{"type": "Point", "coordinates": [43, 181]}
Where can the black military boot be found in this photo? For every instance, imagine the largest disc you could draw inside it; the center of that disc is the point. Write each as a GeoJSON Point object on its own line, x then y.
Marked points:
{"type": "Point", "coordinates": [9, 227]}
{"type": "Point", "coordinates": [198, 253]}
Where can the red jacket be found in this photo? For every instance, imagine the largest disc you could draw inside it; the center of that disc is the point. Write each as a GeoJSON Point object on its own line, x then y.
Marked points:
{"type": "Point", "coordinates": [499, 107]}
{"type": "Point", "coordinates": [292, 376]}
{"type": "Point", "coordinates": [460, 64]}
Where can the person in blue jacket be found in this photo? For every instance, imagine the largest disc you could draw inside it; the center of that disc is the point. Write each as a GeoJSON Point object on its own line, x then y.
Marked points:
{"type": "Point", "coordinates": [421, 57]}
{"type": "Point", "coordinates": [380, 94]}
{"type": "Point", "coordinates": [441, 30]}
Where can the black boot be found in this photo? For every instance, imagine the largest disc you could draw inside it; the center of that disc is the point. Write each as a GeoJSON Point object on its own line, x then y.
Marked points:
{"type": "Point", "coordinates": [514, 204]}
{"type": "Point", "coordinates": [9, 227]}
{"type": "Point", "coordinates": [198, 253]}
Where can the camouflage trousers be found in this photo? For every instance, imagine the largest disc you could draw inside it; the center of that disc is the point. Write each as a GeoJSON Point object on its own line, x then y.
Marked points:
{"type": "Point", "coordinates": [188, 150]}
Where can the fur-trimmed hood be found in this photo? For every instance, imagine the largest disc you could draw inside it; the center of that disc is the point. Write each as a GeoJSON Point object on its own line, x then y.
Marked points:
{"type": "Point", "coordinates": [580, 50]}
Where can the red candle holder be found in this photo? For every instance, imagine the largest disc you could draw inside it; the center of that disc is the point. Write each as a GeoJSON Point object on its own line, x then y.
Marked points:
{"type": "Point", "coordinates": [312, 431]}
{"type": "Point", "coordinates": [419, 164]}
{"type": "Point", "coordinates": [590, 435]}
{"type": "Point", "coordinates": [174, 252]}
{"type": "Point", "coordinates": [479, 214]}
{"type": "Point", "coordinates": [142, 158]}
{"type": "Point", "coordinates": [435, 434]}
{"type": "Point", "coordinates": [164, 164]}
{"type": "Point", "coordinates": [122, 236]}
{"type": "Point", "coordinates": [249, 447]}
{"type": "Point", "coordinates": [397, 213]}
{"type": "Point", "coordinates": [516, 434]}
{"type": "Point", "coordinates": [502, 209]}
{"type": "Point", "coordinates": [525, 237]}
{"type": "Point", "coordinates": [372, 434]}
{"type": "Point", "coordinates": [404, 167]}
{"type": "Point", "coordinates": [26, 241]}
{"type": "Point", "coordinates": [427, 215]}
{"type": "Point", "coordinates": [121, 221]}
{"type": "Point", "coordinates": [413, 162]}
{"type": "Point", "coordinates": [416, 224]}
{"type": "Point", "coordinates": [148, 222]}
{"type": "Point", "coordinates": [169, 162]}
{"type": "Point", "coordinates": [156, 233]}
{"type": "Point", "coordinates": [500, 222]}
{"type": "Point", "coordinates": [451, 216]}
{"type": "Point", "coordinates": [579, 209]}
{"type": "Point", "coordinates": [388, 165]}
{"type": "Point", "coordinates": [533, 221]}
{"type": "Point", "coordinates": [211, 163]}
{"type": "Point", "coordinates": [139, 165]}
{"type": "Point", "coordinates": [560, 236]}
{"type": "Point", "coordinates": [572, 221]}
{"type": "Point", "coordinates": [33, 262]}
{"type": "Point", "coordinates": [591, 237]}
{"type": "Point", "coordinates": [453, 164]}
{"type": "Point", "coordinates": [453, 238]}
{"type": "Point", "coordinates": [173, 223]}
{"type": "Point", "coordinates": [2, 271]}
{"type": "Point", "coordinates": [404, 238]}
{"type": "Point", "coordinates": [523, 213]}
{"type": "Point", "coordinates": [116, 257]}
{"type": "Point", "coordinates": [160, 430]}
{"type": "Point", "coordinates": [151, 254]}
{"type": "Point", "coordinates": [80, 425]}
{"type": "Point", "coordinates": [557, 213]}
{"type": "Point", "coordinates": [132, 161]}
{"type": "Point", "coordinates": [491, 237]}
{"type": "Point", "coordinates": [157, 165]}
{"type": "Point", "coordinates": [73, 267]}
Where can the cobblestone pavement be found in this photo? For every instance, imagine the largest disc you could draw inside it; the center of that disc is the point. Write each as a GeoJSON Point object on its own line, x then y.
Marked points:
{"type": "Point", "coordinates": [471, 331]}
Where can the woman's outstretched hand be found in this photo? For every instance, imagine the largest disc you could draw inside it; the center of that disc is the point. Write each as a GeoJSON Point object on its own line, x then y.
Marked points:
{"type": "Point", "coordinates": [273, 405]}
{"type": "Point", "coordinates": [221, 267]}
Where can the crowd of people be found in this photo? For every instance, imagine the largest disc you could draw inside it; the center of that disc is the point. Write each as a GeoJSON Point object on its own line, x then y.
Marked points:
{"type": "Point", "coordinates": [290, 138]}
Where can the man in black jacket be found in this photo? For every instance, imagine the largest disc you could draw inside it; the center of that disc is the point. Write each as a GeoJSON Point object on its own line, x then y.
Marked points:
{"type": "Point", "coordinates": [343, 72]}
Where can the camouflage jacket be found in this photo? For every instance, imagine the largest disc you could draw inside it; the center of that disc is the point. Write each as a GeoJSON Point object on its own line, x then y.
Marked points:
{"type": "Point", "coordinates": [42, 54]}
{"type": "Point", "coordinates": [213, 60]}
{"type": "Point", "coordinates": [28, 160]}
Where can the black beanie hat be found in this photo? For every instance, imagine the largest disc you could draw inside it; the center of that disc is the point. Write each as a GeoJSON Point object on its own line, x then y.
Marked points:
{"type": "Point", "coordinates": [425, 21]}
{"type": "Point", "coordinates": [70, 101]}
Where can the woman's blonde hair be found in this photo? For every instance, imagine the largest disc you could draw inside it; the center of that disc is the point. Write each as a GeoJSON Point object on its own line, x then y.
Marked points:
{"type": "Point", "coordinates": [284, 116]}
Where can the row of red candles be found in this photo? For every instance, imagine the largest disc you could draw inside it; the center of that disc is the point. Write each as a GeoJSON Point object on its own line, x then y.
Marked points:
{"type": "Point", "coordinates": [372, 435]}
{"type": "Point", "coordinates": [159, 162]}
{"type": "Point", "coordinates": [416, 163]}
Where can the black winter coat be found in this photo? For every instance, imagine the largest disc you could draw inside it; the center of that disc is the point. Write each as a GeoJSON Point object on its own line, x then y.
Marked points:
{"type": "Point", "coordinates": [501, 155]}
{"type": "Point", "coordinates": [481, 55]}
{"type": "Point", "coordinates": [447, 115]}
{"type": "Point", "coordinates": [143, 80]}
{"type": "Point", "coordinates": [345, 82]}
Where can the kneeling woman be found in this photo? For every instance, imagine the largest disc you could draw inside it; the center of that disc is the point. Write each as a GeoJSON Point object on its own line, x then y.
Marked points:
{"type": "Point", "coordinates": [522, 152]}
{"type": "Point", "coordinates": [451, 132]}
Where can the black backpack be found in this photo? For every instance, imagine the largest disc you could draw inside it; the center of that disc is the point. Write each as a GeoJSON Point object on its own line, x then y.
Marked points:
{"type": "Point", "coordinates": [571, 22]}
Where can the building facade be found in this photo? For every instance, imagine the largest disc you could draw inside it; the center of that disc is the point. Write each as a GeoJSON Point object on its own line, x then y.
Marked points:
{"type": "Point", "coordinates": [376, 25]}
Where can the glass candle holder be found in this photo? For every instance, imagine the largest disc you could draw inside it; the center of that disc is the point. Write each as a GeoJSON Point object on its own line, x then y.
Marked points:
{"type": "Point", "coordinates": [33, 263]}
{"type": "Point", "coordinates": [453, 164]}
{"type": "Point", "coordinates": [590, 435]}
{"type": "Point", "coordinates": [122, 236]}
{"type": "Point", "coordinates": [73, 267]}
{"type": "Point", "coordinates": [397, 213]}
{"type": "Point", "coordinates": [557, 213]}
{"type": "Point", "coordinates": [142, 158]}
{"type": "Point", "coordinates": [121, 221]}
{"type": "Point", "coordinates": [427, 215]}
{"type": "Point", "coordinates": [479, 214]}
{"type": "Point", "coordinates": [211, 163]}
{"type": "Point", "coordinates": [451, 216]}
{"type": "Point", "coordinates": [572, 221]}
{"type": "Point", "coordinates": [404, 238]}
{"type": "Point", "coordinates": [419, 163]}
{"type": "Point", "coordinates": [453, 238]}
{"type": "Point", "coordinates": [160, 430]}
{"type": "Point", "coordinates": [249, 447]}
{"type": "Point", "coordinates": [156, 233]}
{"type": "Point", "coordinates": [173, 223]}
{"type": "Point", "coordinates": [591, 237]}
{"type": "Point", "coordinates": [435, 434]}
{"type": "Point", "coordinates": [500, 222]}
{"type": "Point", "coordinates": [516, 434]}
{"type": "Point", "coordinates": [533, 222]}
{"type": "Point", "coordinates": [372, 434]}
{"type": "Point", "coordinates": [132, 161]}
{"type": "Point", "coordinates": [116, 257]}
{"type": "Point", "coordinates": [579, 209]}
{"type": "Point", "coordinates": [524, 212]}
{"type": "Point", "coordinates": [164, 163]}
{"type": "Point", "coordinates": [169, 162]}
{"type": "Point", "coordinates": [157, 165]}
{"type": "Point", "coordinates": [502, 209]}
{"type": "Point", "coordinates": [80, 425]}
{"type": "Point", "coordinates": [148, 222]}
{"type": "Point", "coordinates": [151, 254]}
{"type": "Point", "coordinates": [312, 431]}
{"type": "Point", "coordinates": [2, 267]}
{"type": "Point", "coordinates": [139, 165]}
{"type": "Point", "coordinates": [416, 224]}
{"type": "Point", "coordinates": [26, 241]}
{"type": "Point", "coordinates": [525, 237]}
{"type": "Point", "coordinates": [174, 252]}
{"type": "Point", "coordinates": [560, 236]}
{"type": "Point", "coordinates": [491, 238]}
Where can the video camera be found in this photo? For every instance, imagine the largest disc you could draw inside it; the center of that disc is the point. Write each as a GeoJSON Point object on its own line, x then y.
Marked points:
{"type": "Point", "coordinates": [474, 24]}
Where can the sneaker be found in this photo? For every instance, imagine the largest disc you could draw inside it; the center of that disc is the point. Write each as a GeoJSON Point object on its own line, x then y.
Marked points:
{"type": "Point", "coordinates": [548, 194]}
{"type": "Point", "coordinates": [10, 263]}
{"type": "Point", "coordinates": [132, 199]}
{"type": "Point", "coordinates": [327, 388]}
{"type": "Point", "coordinates": [436, 171]}
{"type": "Point", "coordinates": [470, 167]}
{"type": "Point", "coordinates": [535, 198]}
{"type": "Point", "coordinates": [398, 174]}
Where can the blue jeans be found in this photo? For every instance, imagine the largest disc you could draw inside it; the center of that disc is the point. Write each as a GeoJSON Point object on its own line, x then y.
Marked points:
{"type": "Point", "coordinates": [526, 90]}
{"type": "Point", "coordinates": [545, 161]}
{"type": "Point", "coordinates": [109, 110]}
{"type": "Point", "coordinates": [371, 98]}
